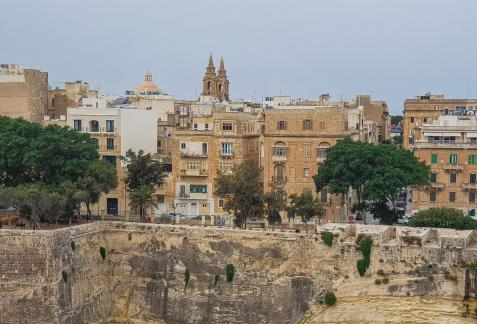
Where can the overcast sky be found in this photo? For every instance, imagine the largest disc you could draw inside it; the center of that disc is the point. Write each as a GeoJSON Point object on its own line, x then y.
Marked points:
{"type": "Point", "coordinates": [391, 49]}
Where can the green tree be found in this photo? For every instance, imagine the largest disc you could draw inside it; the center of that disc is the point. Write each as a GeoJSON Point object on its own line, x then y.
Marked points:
{"type": "Point", "coordinates": [443, 218]}
{"type": "Point", "coordinates": [100, 177]}
{"type": "Point", "coordinates": [397, 140]}
{"type": "Point", "coordinates": [374, 172]}
{"type": "Point", "coordinates": [143, 198]}
{"type": "Point", "coordinates": [30, 153]}
{"type": "Point", "coordinates": [275, 201]}
{"type": "Point", "coordinates": [143, 170]}
{"type": "Point", "coordinates": [305, 206]}
{"type": "Point", "coordinates": [396, 120]}
{"type": "Point", "coordinates": [244, 190]}
{"type": "Point", "coordinates": [380, 210]}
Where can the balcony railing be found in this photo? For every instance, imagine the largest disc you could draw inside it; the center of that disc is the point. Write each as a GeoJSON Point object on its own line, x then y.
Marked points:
{"type": "Point", "coordinates": [454, 167]}
{"type": "Point", "coordinates": [436, 144]}
{"type": "Point", "coordinates": [184, 195]}
{"type": "Point", "coordinates": [195, 173]}
{"type": "Point", "coordinates": [436, 185]}
{"type": "Point", "coordinates": [194, 154]}
{"type": "Point", "coordinates": [470, 186]}
{"type": "Point", "coordinates": [227, 154]}
{"type": "Point", "coordinates": [276, 179]}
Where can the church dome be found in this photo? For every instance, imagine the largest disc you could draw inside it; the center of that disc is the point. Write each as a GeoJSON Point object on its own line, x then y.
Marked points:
{"type": "Point", "coordinates": [148, 86]}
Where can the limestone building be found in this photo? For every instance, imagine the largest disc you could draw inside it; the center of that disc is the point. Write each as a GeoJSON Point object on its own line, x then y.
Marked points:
{"type": "Point", "coordinates": [427, 108]}
{"type": "Point", "coordinates": [23, 92]}
{"type": "Point", "coordinates": [448, 145]}
{"type": "Point", "coordinates": [116, 130]}
{"type": "Point", "coordinates": [215, 84]}
{"type": "Point", "coordinates": [72, 95]}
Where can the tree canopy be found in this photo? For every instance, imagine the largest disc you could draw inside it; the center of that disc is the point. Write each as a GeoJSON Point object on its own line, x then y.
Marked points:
{"type": "Point", "coordinates": [396, 120]}
{"type": "Point", "coordinates": [444, 218]}
{"type": "Point", "coordinates": [244, 191]}
{"type": "Point", "coordinates": [275, 201]}
{"type": "Point", "coordinates": [30, 153]}
{"type": "Point", "coordinates": [305, 206]}
{"type": "Point", "coordinates": [143, 170]}
{"type": "Point", "coordinates": [376, 172]}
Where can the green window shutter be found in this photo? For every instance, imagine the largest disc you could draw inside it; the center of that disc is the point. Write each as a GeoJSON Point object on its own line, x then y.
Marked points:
{"type": "Point", "coordinates": [472, 159]}
{"type": "Point", "coordinates": [434, 159]}
{"type": "Point", "coordinates": [453, 159]}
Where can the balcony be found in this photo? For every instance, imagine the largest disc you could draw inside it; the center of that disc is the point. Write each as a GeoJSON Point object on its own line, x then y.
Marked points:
{"type": "Point", "coordinates": [470, 186]}
{"type": "Point", "coordinates": [227, 155]}
{"type": "Point", "coordinates": [194, 173]}
{"type": "Point", "coordinates": [454, 167]}
{"type": "Point", "coordinates": [281, 180]}
{"type": "Point", "coordinates": [184, 195]}
{"type": "Point", "coordinates": [194, 154]}
{"type": "Point", "coordinates": [437, 185]}
{"type": "Point", "coordinates": [279, 153]}
{"type": "Point", "coordinates": [444, 144]}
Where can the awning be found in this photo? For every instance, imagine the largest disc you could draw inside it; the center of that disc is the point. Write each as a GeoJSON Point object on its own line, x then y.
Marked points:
{"type": "Point", "coordinates": [442, 134]}
{"type": "Point", "coordinates": [471, 134]}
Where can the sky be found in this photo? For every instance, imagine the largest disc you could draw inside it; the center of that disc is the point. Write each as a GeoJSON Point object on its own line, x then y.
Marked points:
{"type": "Point", "coordinates": [390, 49]}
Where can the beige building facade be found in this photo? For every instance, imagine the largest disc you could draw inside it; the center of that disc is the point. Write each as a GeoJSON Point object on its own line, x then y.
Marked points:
{"type": "Point", "coordinates": [448, 145]}
{"type": "Point", "coordinates": [23, 92]}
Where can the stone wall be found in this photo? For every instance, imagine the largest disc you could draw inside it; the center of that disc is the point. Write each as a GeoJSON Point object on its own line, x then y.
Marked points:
{"type": "Point", "coordinates": [280, 277]}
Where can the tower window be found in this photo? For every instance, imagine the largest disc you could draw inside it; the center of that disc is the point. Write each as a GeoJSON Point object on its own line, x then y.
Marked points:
{"type": "Point", "coordinates": [307, 124]}
{"type": "Point", "coordinates": [282, 125]}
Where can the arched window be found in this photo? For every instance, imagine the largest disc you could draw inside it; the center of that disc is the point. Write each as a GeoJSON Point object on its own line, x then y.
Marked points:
{"type": "Point", "coordinates": [209, 85]}
{"type": "Point", "coordinates": [94, 126]}
{"type": "Point", "coordinates": [322, 148]}
{"type": "Point", "coordinates": [220, 87]}
{"type": "Point", "coordinates": [307, 124]}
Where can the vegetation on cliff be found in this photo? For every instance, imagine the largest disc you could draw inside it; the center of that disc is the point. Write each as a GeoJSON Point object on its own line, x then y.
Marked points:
{"type": "Point", "coordinates": [230, 272]}
{"type": "Point", "coordinates": [365, 248]}
{"type": "Point", "coordinates": [330, 298]}
{"type": "Point", "coordinates": [443, 218]}
{"type": "Point", "coordinates": [327, 238]}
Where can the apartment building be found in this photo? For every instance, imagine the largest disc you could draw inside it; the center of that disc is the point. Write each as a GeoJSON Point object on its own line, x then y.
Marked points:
{"type": "Point", "coordinates": [23, 92]}
{"type": "Point", "coordinates": [427, 108]}
{"type": "Point", "coordinates": [74, 94]}
{"type": "Point", "coordinates": [294, 145]}
{"type": "Point", "coordinates": [117, 130]}
{"type": "Point", "coordinates": [448, 145]}
{"type": "Point", "coordinates": [206, 146]}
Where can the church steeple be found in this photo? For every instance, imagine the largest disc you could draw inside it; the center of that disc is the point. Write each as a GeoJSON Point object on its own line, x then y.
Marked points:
{"type": "Point", "coordinates": [215, 85]}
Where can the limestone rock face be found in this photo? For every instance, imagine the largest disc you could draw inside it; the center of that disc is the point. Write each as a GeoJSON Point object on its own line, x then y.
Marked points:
{"type": "Point", "coordinates": [418, 276]}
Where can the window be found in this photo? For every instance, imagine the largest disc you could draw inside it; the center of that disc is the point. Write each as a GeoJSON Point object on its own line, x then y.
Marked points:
{"type": "Point", "coordinates": [434, 158]}
{"type": "Point", "coordinates": [112, 206]}
{"type": "Point", "coordinates": [412, 119]}
{"type": "Point", "coordinates": [471, 197]}
{"type": "Point", "coordinates": [94, 126]}
{"type": "Point", "coordinates": [425, 120]}
{"type": "Point", "coordinates": [307, 150]}
{"type": "Point", "coordinates": [432, 196]}
{"type": "Point", "coordinates": [183, 146]}
{"type": "Point", "coordinates": [221, 203]}
{"type": "Point", "coordinates": [191, 166]}
{"type": "Point", "coordinates": [281, 125]}
{"type": "Point", "coordinates": [324, 196]}
{"type": "Point", "coordinates": [77, 125]}
{"type": "Point", "coordinates": [279, 173]}
{"type": "Point", "coordinates": [182, 191]}
{"type": "Point", "coordinates": [111, 159]}
{"type": "Point", "coordinates": [451, 196]}
{"type": "Point", "coordinates": [321, 152]}
{"type": "Point", "coordinates": [198, 189]}
{"type": "Point", "coordinates": [433, 177]}
{"type": "Point", "coordinates": [195, 126]}
{"type": "Point", "coordinates": [306, 172]}
{"type": "Point", "coordinates": [279, 151]}
{"type": "Point", "coordinates": [307, 124]}
{"type": "Point", "coordinates": [110, 143]}
{"type": "Point", "coordinates": [472, 178]}
{"type": "Point", "coordinates": [472, 159]}
{"type": "Point", "coordinates": [110, 126]}
{"type": "Point", "coordinates": [453, 159]}
{"type": "Point", "coordinates": [226, 148]}
{"type": "Point", "coordinates": [204, 148]}
{"type": "Point", "coordinates": [206, 126]}
{"type": "Point", "coordinates": [226, 167]}
{"type": "Point", "coordinates": [322, 124]}
{"type": "Point", "coordinates": [228, 127]}
{"type": "Point", "coordinates": [453, 177]}
{"type": "Point", "coordinates": [159, 144]}
{"type": "Point", "coordinates": [160, 199]}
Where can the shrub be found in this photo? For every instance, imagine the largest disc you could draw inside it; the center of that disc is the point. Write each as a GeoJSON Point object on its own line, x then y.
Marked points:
{"type": "Point", "coordinates": [327, 238]}
{"type": "Point", "coordinates": [129, 236]}
{"type": "Point", "coordinates": [377, 281]}
{"type": "Point", "coordinates": [330, 298]}
{"type": "Point", "coordinates": [443, 217]}
{"type": "Point", "coordinates": [64, 274]}
{"type": "Point", "coordinates": [380, 272]}
{"type": "Point", "coordinates": [186, 277]}
{"type": "Point", "coordinates": [385, 281]}
{"type": "Point", "coordinates": [216, 279]}
{"type": "Point", "coordinates": [365, 247]}
{"type": "Point", "coordinates": [362, 266]}
{"type": "Point", "coordinates": [230, 272]}
{"type": "Point", "coordinates": [102, 251]}
{"type": "Point", "coordinates": [73, 245]}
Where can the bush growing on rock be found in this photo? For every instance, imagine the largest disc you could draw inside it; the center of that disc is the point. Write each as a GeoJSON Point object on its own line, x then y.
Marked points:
{"type": "Point", "coordinates": [102, 251]}
{"type": "Point", "coordinates": [380, 272]}
{"type": "Point", "coordinates": [230, 272]}
{"type": "Point", "coordinates": [216, 279]}
{"type": "Point", "coordinates": [73, 245]}
{"type": "Point", "coordinates": [64, 274]}
{"type": "Point", "coordinates": [327, 238]}
{"type": "Point", "coordinates": [377, 281]}
{"type": "Point", "coordinates": [186, 277]}
{"type": "Point", "coordinates": [330, 298]}
{"type": "Point", "coordinates": [443, 217]}
{"type": "Point", "coordinates": [385, 281]}
{"type": "Point", "coordinates": [362, 266]}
